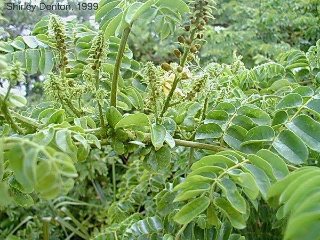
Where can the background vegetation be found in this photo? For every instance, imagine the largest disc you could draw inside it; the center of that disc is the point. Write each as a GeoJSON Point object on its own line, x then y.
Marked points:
{"type": "Point", "coordinates": [161, 120]}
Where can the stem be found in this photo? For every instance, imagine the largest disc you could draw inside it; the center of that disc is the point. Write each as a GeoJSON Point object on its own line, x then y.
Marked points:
{"type": "Point", "coordinates": [46, 232]}
{"type": "Point", "coordinates": [102, 123]}
{"type": "Point", "coordinates": [73, 108]}
{"type": "Point", "coordinates": [177, 78]}
{"type": "Point", "coordinates": [191, 153]}
{"type": "Point", "coordinates": [26, 120]}
{"type": "Point", "coordinates": [9, 119]}
{"type": "Point", "coordinates": [116, 71]}
{"type": "Point", "coordinates": [181, 231]}
{"type": "Point", "coordinates": [8, 92]}
{"type": "Point", "coordinates": [114, 181]}
{"type": "Point", "coordinates": [205, 146]}
{"type": "Point", "coordinates": [203, 116]}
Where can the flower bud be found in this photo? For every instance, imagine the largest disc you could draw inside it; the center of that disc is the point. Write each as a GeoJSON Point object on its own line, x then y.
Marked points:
{"type": "Point", "coordinates": [193, 49]}
{"type": "Point", "coordinates": [181, 39]}
{"type": "Point", "coordinates": [177, 53]}
{"type": "Point", "coordinates": [188, 41]}
{"type": "Point", "coordinates": [166, 66]}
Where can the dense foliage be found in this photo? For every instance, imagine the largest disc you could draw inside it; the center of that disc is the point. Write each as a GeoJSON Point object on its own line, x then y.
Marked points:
{"type": "Point", "coordinates": [195, 147]}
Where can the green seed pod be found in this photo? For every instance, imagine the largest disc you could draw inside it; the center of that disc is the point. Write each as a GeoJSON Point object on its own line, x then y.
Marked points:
{"type": "Point", "coordinates": [179, 69]}
{"type": "Point", "coordinates": [166, 66]}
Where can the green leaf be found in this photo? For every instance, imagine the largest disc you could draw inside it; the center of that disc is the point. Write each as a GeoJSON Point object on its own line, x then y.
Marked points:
{"type": "Point", "coordinates": [48, 184]}
{"type": "Point", "coordinates": [259, 134]}
{"type": "Point", "coordinates": [112, 26]}
{"type": "Point", "coordinates": [247, 182]}
{"type": "Point", "coordinates": [304, 91]}
{"type": "Point", "coordinates": [280, 169]}
{"type": "Point", "coordinates": [1, 158]}
{"type": "Point", "coordinates": [208, 131]}
{"type": "Point", "coordinates": [133, 120]}
{"type": "Point", "coordinates": [16, 100]}
{"type": "Point", "coordinates": [159, 160]}
{"type": "Point", "coordinates": [22, 161]}
{"type": "Point", "coordinates": [291, 147]}
{"type": "Point", "coordinates": [279, 118]}
{"type": "Point", "coordinates": [191, 210]}
{"type": "Point", "coordinates": [170, 140]}
{"type": "Point", "coordinates": [46, 63]}
{"type": "Point", "coordinates": [236, 219]}
{"type": "Point", "coordinates": [299, 193]}
{"type": "Point", "coordinates": [33, 59]}
{"type": "Point", "coordinates": [234, 136]}
{"type": "Point", "coordinates": [188, 194]}
{"type": "Point", "coordinates": [260, 177]}
{"type": "Point", "coordinates": [113, 116]}
{"type": "Point", "coordinates": [83, 148]}
{"type": "Point", "coordinates": [232, 194]}
{"type": "Point", "coordinates": [192, 185]}
{"type": "Point", "coordinates": [314, 106]}
{"type": "Point", "coordinates": [64, 143]}
{"type": "Point", "coordinates": [179, 5]}
{"type": "Point", "coordinates": [219, 117]}
{"type": "Point", "coordinates": [158, 134]}
{"type": "Point", "coordinates": [104, 9]}
{"type": "Point", "coordinates": [4, 193]}
{"type": "Point", "coordinates": [22, 199]}
{"type": "Point", "coordinates": [18, 44]}
{"type": "Point", "coordinates": [303, 227]}
{"type": "Point", "coordinates": [213, 160]}
{"type": "Point", "coordinates": [308, 130]}
{"type": "Point", "coordinates": [212, 217]}
{"type": "Point", "coordinates": [31, 41]}
{"type": "Point", "coordinates": [262, 164]}
{"type": "Point", "coordinates": [292, 100]}
{"type": "Point", "coordinates": [280, 186]}
{"type": "Point", "coordinates": [6, 47]}
{"type": "Point", "coordinates": [136, 9]}
{"type": "Point", "coordinates": [258, 116]}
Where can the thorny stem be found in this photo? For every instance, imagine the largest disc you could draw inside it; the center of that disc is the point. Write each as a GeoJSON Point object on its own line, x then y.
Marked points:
{"type": "Point", "coordinates": [116, 71]}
